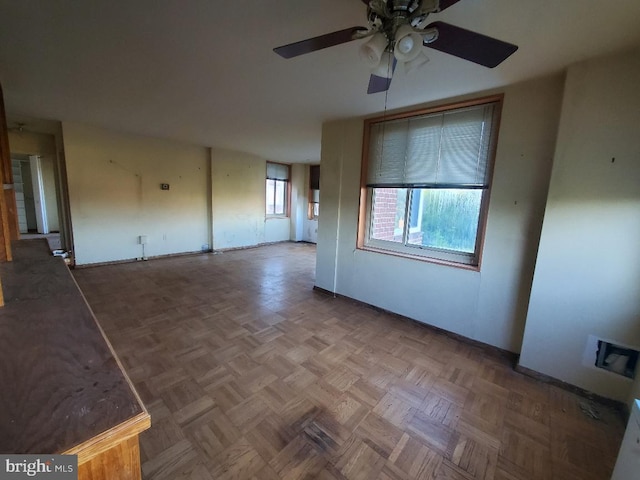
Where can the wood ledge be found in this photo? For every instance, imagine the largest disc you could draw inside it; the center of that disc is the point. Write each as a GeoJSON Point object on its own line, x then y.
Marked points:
{"type": "Point", "coordinates": [106, 440]}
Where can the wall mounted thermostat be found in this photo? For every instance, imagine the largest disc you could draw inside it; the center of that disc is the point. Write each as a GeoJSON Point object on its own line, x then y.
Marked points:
{"type": "Point", "coordinates": [164, 186]}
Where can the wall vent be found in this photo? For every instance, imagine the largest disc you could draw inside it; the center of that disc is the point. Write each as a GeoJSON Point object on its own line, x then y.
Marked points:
{"type": "Point", "coordinates": [617, 359]}
{"type": "Point", "coordinates": [612, 356]}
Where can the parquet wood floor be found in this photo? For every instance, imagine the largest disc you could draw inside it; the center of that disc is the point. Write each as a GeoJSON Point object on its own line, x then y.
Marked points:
{"type": "Point", "coordinates": [250, 374]}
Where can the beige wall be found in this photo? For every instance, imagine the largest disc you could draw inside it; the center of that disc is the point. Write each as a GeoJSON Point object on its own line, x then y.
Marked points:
{"type": "Point", "coordinates": [216, 196]}
{"type": "Point", "coordinates": [587, 279]}
{"type": "Point", "coordinates": [30, 143]}
{"type": "Point", "coordinates": [238, 182]}
{"type": "Point", "coordinates": [238, 186]}
{"type": "Point", "coordinates": [490, 305]}
{"type": "Point", "coordinates": [115, 196]}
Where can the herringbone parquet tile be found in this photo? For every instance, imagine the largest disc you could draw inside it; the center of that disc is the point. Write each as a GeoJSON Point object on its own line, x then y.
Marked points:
{"type": "Point", "coordinates": [250, 374]}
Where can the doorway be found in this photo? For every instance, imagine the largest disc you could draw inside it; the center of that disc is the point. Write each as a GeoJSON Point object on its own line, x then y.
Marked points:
{"type": "Point", "coordinates": [28, 220]}
{"type": "Point", "coordinates": [36, 181]}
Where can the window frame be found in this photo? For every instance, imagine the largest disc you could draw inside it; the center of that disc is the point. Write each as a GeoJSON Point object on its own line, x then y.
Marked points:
{"type": "Point", "coordinates": [427, 254]}
{"type": "Point", "coordinates": [287, 192]}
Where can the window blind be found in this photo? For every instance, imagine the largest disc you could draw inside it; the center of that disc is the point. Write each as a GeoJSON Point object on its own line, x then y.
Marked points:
{"type": "Point", "coordinates": [439, 150]}
{"type": "Point", "coordinates": [277, 171]}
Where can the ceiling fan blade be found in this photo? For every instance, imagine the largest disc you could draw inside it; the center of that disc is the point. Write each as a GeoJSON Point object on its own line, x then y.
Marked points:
{"type": "Point", "coordinates": [379, 84]}
{"type": "Point", "coordinates": [444, 4]}
{"type": "Point", "coordinates": [318, 43]}
{"type": "Point", "coordinates": [469, 45]}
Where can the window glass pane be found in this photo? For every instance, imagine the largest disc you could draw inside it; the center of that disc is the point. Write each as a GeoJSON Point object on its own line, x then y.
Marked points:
{"type": "Point", "coordinates": [270, 197]}
{"type": "Point", "coordinates": [281, 190]}
{"type": "Point", "coordinates": [387, 217]}
{"type": "Point", "coordinates": [449, 219]}
{"type": "Point", "coordinates": [416, 210]}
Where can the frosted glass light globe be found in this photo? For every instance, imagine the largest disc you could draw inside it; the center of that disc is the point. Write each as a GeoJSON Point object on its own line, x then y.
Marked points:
{"type": "Point", "coordinates": [405, 44]}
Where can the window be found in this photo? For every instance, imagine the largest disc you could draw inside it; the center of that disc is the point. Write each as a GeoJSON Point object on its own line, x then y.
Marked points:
{"type": "Point", "coordinates": [426, 182]}
{"type": "Point", "coordinates": [277, 190]}
{"type": "Point", "coordinates": [314, 192]}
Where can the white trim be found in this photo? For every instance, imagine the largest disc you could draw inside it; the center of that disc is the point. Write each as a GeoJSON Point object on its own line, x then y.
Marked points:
{"type": "Point", "coordinates": [38, 194]}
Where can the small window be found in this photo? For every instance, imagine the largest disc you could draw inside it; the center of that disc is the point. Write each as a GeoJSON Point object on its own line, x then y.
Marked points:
{"type": "Point", "coordinates": [314, 192]}
{"type": "Point", "coordinates": [277, 190]}
{"type": "Point", "coordinates": [426, 182]}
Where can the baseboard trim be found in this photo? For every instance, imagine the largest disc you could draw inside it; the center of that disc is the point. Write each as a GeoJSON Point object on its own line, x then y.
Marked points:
{"type": "Point", "coordinates": [588, 395]}
{"type": "Point", "coordinates": [181, 254]}
{"type": "Point", "coordinates": [329, 293]}
{"type": "Point", "coordinates": [512, 357]}
{"type": "Point", "coordinates": [485, 347]}
{"type": "Point", "coordinates": [134, 260]}
{"type": "Point", "coordinates": [249, 247]}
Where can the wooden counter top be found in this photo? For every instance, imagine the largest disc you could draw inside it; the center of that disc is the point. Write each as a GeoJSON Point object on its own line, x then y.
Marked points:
{"type": "Point", "coordinates": [63, 388]}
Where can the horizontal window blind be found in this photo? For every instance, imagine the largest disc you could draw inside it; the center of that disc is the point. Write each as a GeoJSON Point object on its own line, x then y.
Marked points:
{"type": "Point", "coordinates": [439, 150]}
{"type": "Point", "coordinates": [277, 171]}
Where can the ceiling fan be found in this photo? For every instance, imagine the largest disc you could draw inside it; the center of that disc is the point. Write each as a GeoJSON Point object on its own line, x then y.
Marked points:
{"type": "Point", "coordinates": [397, 32]}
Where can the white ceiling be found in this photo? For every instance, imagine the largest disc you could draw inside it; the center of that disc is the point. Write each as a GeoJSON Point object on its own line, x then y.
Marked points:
{"type": "Point", "coordinates": [203, 71]}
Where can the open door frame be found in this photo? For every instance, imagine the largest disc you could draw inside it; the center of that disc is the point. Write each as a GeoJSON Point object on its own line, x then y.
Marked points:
{"type": "Point", "coordinates": [8, 209]}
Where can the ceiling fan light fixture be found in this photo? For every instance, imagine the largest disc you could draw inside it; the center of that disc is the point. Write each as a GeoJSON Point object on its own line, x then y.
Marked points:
{"type": "Point", "coordinates": [430, 35]}
{"type": "Point", "coordinates": [412, 65]}
{"type": "Point", "coordinates": [405, 45]}
{"type": "Point", "coordinates": [372, 51]}
{"type": "Point", "coordinates": [384, 69]}
{"type": "Point", "coordinates": [408, 44]}
{"type": "Point", "coordinates": [397, 31]}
